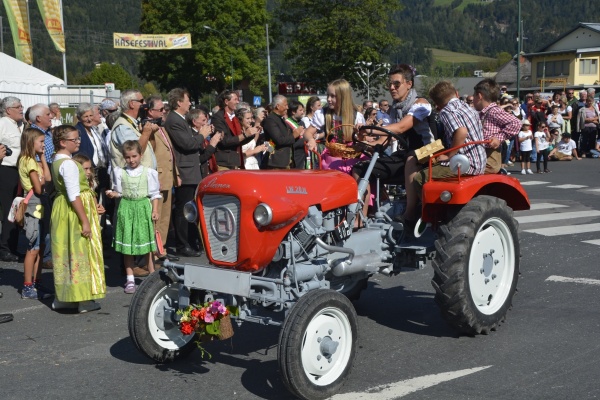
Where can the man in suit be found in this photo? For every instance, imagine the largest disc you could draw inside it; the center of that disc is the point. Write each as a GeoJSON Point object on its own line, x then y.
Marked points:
{"type": "Point", "coordinates": [281, 134]}
{"type": "Point", "coordinates": [185, 148]}
{"type": "Point", "coordinates": [168, 174]}
{"type": "Point", "coordinates": [229, 150]}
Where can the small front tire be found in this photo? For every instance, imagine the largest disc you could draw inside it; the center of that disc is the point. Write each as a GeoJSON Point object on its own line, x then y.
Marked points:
{"type": "Point", "coordinates": [152, 325]}
{"type": "Point", "coordinates": [317, 344]}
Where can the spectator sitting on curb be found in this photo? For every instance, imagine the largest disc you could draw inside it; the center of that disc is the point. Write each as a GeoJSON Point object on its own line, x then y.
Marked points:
{"type": "Point", "coordinates": [565, 150]}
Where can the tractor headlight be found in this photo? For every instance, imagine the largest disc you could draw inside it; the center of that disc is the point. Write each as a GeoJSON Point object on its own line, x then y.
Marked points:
{"type": "Point", "coordinates": [190, 212]}
{"type": "Point", "coordinates": [445, 196]}
{"type": "Point", "coordinates": [263, 215]}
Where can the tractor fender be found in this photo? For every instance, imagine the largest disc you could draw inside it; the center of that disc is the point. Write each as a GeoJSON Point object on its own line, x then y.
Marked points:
{"type": "Point", "coordinates": [464, 189]}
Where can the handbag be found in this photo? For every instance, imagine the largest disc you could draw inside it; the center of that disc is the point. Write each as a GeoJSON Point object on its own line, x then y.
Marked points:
{"type": "Point", "coordinates": [18, 209]}
{"type": "Point", "coordinates": [160, 248]}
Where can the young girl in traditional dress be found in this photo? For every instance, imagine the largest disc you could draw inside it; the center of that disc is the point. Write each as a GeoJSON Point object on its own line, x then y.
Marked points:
{"type": "Point", "coordinates": [88, 168]}
{"type": "Point", "coordinates": [138, 208]}
{"type": "Point", "coordinates": [33, 175]}
{"type": "Point", "coordinates": [75, 230]}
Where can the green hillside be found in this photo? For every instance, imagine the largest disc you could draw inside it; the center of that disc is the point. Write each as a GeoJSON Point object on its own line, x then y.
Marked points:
{"type": "Point", "coordinates": [454, 57]}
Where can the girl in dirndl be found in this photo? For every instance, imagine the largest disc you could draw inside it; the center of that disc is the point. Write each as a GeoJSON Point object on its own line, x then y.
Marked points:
{"type": "Point", "coordinates": [139, 190]}
{"type": "Point", "coordinates": [74, 230]}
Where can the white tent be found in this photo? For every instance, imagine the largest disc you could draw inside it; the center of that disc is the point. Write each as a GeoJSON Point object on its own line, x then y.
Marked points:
{"type": "Point", "coordinates": [28, 83]}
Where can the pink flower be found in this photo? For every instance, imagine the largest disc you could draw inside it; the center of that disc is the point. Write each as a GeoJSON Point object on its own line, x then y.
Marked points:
{"type": "Point", "coordinates": [208, 318]}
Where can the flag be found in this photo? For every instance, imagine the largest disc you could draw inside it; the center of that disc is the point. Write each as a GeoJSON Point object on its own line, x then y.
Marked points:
{"type": "Point", "coordinates": [50, 10]}
{"type": "Point", "coordinates": [19, 26]}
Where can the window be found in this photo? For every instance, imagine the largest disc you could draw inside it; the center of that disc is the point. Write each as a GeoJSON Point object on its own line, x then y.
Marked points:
{"type": "Point", "coordinates": [553, 68]}
{"type": "Point", "coordinates": [588, 67]}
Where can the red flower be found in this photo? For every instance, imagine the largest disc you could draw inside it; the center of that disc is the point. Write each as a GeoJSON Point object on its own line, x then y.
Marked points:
{"type": "Point", "coordinates": [195, 313]}
{"type": "Point", "coordinates": [186, 328]}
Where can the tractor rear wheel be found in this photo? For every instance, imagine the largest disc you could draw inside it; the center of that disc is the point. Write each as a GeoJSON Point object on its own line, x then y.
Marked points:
{"type": "Point", "coordinates": [476, 266]}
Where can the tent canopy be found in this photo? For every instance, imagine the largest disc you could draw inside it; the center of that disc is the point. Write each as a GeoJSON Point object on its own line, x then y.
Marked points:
{"type": "Point", "coordinates": [24, 81]}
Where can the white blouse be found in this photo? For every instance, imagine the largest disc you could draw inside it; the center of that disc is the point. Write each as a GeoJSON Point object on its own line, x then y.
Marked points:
{"type": "Point", "coordinates": [153, 185]}
{"type": "Point", "coordinates": [70, 174]}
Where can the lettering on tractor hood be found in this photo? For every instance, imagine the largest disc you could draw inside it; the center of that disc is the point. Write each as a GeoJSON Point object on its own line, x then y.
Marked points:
{"type": "Point", "coordinates": [296, 190]}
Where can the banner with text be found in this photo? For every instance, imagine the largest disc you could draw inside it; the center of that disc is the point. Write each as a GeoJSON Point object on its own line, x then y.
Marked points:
{"type": "Point", "coordinates": [50, 10]}
{"type": "Point", "coordinates": [16, 11]}
{"type": "Point", "coordinates": [152, 42]}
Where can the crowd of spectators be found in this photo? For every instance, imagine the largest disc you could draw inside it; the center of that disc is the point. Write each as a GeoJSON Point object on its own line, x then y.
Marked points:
{"type": "Point", "coordinates": [143, 158]}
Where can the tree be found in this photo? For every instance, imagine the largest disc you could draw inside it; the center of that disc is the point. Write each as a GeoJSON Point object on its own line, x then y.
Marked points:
{"type": "Point", "coordinates": [328, 38]}
{"type": "Point", "coordinates": [237, 30]}
{"type": "Point", "coordinates": [105, 73]}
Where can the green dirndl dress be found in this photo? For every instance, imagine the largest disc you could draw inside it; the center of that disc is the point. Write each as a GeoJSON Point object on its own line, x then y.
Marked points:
{"type": "Point", "coordinates": [134, 234]}
{"type": "Point", "coordinates": [78, 261]}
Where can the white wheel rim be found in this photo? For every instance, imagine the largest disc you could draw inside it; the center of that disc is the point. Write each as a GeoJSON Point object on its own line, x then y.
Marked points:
{"type": "Point", "coordinates": [171, 337]}
{"type": "Point", "coordinates": [491, 266]}
{"type": "Point", "coordinates": [329, 328]}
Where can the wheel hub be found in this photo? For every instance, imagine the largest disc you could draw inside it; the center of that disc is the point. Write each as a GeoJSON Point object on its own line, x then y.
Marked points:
{"type": "Point", "coordinates": [490, 273]}
{"type": "Point", "coordinates": [164, 315]}
{"type": "Point", "coordinates": [328, 347]}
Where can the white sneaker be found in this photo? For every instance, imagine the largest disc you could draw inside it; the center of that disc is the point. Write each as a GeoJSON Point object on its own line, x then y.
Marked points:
{"type": "Point", "coordinates": [523, 172]}
{"type": "Point", "coordinates": [530, 172]}
{"type": "Point", "coordinates": [63, 305]}
{"type": "Point", "coordinates": [510, 163]}
{"type": "Point", "coordinates": [86, 306]}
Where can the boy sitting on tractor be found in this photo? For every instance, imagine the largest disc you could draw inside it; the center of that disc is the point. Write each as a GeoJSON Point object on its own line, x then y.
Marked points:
{"type": "Point", "coordinates": [461, 125]}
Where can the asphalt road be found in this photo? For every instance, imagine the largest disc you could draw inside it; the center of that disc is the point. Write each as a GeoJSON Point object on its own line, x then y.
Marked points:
{"type": "Point", "coordinates": [547, 349]}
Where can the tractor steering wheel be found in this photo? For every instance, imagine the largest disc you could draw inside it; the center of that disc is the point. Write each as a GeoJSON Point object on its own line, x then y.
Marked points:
{"type": "Point", "coordinates": [402, 142]}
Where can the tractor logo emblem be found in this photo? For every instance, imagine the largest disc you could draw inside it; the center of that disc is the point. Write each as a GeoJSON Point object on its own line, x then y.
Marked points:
{"type": "Point", "coordinates": [222, 222]}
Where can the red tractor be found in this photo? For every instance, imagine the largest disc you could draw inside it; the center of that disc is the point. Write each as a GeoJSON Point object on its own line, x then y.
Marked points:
{"type": "Point", "coordinates": [284, 241]}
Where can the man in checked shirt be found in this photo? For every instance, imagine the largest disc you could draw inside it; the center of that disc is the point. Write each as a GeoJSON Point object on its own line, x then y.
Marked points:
{"type": "Point", "coordinates": [498, 125]}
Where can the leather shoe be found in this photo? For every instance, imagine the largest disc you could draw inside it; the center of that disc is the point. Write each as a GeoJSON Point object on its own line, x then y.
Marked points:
{"type": "Point", "coordinates": [140, 272]}
{"type": "Point", "coordinates": [8, 257]}
{"type": "Point", "coordinates": [189, 252]}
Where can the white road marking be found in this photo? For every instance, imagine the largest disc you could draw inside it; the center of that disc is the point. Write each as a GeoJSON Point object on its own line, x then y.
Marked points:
{"type": "Point", "coordinates": [565, 230]}
{"type": "Point", "coordinates": [545, 206]}
{"type": "Point", "coordinates": [557, 216]}
{"type": "Point", "coordinates": [556, 278]}
{"type": "Point", "coordinates": [568, 186]}
{"type": "Point", "coordinates": [402, 388]}
{"type": "Point", "coordinates": [531, 183]}
{"type": "Point", "coordinates": [596, 242]}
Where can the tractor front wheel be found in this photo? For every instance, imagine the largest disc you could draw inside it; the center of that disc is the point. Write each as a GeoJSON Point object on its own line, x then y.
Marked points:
{"type": "Point", "coordinates": [317, 344]}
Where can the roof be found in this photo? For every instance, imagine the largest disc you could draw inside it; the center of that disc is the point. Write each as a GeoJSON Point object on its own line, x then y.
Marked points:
{"type": "Point", "coordinates": [22, 80]}
{"type": "Point", "coordinates": [15, 71]}
{"type": "Point", "coordinates": [588, 25]}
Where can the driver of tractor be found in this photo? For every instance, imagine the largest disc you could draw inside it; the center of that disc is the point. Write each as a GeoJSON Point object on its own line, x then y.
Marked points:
{"type": "Point", "coordinates": [410, 118]}
{"type": "Point", "coordinates": [461, 125]}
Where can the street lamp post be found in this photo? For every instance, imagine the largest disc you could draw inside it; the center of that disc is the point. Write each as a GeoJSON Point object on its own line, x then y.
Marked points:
{"type": "Point", "coordinates": [364, 69]}
{"type": "Point", "coordinates": [230, 54]}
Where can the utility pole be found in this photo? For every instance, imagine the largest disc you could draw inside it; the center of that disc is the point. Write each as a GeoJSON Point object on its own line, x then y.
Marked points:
{"type": "Point", "coordinates": [519, 41]}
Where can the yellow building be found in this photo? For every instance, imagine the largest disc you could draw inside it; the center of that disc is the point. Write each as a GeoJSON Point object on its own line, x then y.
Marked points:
{"type": "Point", "coordinates": [570, 61]}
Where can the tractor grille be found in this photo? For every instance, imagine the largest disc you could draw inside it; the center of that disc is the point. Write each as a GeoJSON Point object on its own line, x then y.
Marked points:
{"type": "Point", "coordinates": [222, 217]}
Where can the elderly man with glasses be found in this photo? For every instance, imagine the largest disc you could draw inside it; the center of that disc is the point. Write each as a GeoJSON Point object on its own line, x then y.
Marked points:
{"type": "Point", "coordinates": [11, 128]}
{"type": "Point", "coordinates": [127, 127]}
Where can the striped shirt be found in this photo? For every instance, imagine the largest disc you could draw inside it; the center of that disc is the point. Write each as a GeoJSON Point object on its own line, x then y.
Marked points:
{"type": "Point", "coordinates": [498, 123]}
{"type": "Point", "coordinates": [457, 115]}
{"type": "Point", "coordinates": [48, 143]}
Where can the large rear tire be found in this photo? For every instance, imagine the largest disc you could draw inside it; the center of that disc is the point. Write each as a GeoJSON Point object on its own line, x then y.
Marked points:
{"type": "Point", "coordinates": [317, 344]}
{"type": "Point", "coordinates": [476, 266]}
{"type": "Point", "coordinates": [152, 324]}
